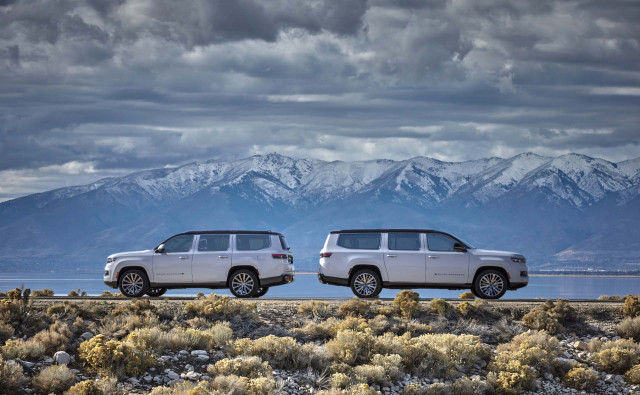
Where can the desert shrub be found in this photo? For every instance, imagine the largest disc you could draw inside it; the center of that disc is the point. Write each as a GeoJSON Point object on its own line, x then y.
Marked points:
{"type": "Point", "coordinates": [380, 324]}
{"type": "Point", "coordinates": [6, 331]}
{"type": "Point", "coordinates": [114, 357]}
{"type": "Point", "coordinates": [609, 297]}
{"type": "Point", "coordinates": [354, 306]}
{"type": "Point", "coordinates": [351, 347]}
{"type": "Point", "coordinates": [477, 308]}
{"type": "Point", "coordinates": [42, 292]}
{"type": "Point", "coordinates": [513, 378]}
{"type": "Point", "coordinates": [466, 295]}
{"type": "Point", "coordinates": [121, 325]}
{"type": "Point", "coordinates": [629, 328]}
{"type": "Point", "coordinates": [631, 307]}
{"type": "Point", "coordinates": [414, 389]}
{"type": "Point", "coordinates": [407, 303]}
{"type": "Point", "coordinates": [56, 378]}
{"type": "Point", "coordinates": [109, 294]}
{"type": "Point", "coordinates": [180, 339]}
{"type": "Point", "coordinates": [633, 375]}
{"type": "Point", "coordinates": [440, 306]}
{"type": "Point", "coordinates": [356, 389]}
{"type": "Point", "coordinates": [23, 349]}
{"type": "Point", "coordinates": [339, 380]}
{"type": "Point", "coordinates": [216, 306]}
{"type": "Point", "coordinates": [251, 367]}
{"type": "Point", "coordinates": [414, 328]}
{"type": "Point", "coordinates": [318, 309]}
{"type": "Point", "coordinates": [385, 310]}
{"type": "Point", "coordinates": [466, 386]}
{"type": "Point", "coordinates": [221, 385]}
{"type": "Point", "coordinates": [319, 330]}
{"type": "Point", "coordinates": [550, 316]}
{"type": "Point", "coordinates": [134, 307]}
{"type": "Point", "coordinates": [103, 386]}
{"type": "Point", "coordinates": [535, 349]}
{"type": "Point", "coordinates": [11, 376]}
{"type": "Point", "coordinates": [13, 311]}
{"type": "Point", "coordinates": [581, 378]}
{"type": "Point", "coordinates": [616, 356]}
{"type": "Point", "coordinates": [14, 294]}
{"type": "Point", "coordinates": [56, 338]}
{"type": "Point", "coordinates": [383, 369]}
{"type": "Point", "coordinates": [282, 352]}
{"type": "Point", "coordinates": [56, 310]}
{"type": "Point", "coordinates": [80, 292]}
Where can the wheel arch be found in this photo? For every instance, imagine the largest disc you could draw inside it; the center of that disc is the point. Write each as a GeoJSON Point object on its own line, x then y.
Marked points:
{"type": "Point", "coordinates": [123, 270]}
{"type": "Point", "coordinates": [498, 268]}
{"type": "Point", "coordinates": [234, 269]}
{"type": "Point", "coordinates": [361, 266]}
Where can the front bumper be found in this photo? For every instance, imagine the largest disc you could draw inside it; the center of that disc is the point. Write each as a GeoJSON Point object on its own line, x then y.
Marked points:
{"type": "Point", "coordinates": [111, 284]}
{"type": "Point", "coordinates": [278, 280]}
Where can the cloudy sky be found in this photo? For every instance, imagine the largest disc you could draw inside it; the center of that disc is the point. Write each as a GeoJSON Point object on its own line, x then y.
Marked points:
{"type": "Point", "coordinates": [95, 88]}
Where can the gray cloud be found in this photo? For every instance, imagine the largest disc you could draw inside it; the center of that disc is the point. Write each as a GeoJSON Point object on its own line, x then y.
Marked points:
{"type": "Point", "coordinates": [95, 88]}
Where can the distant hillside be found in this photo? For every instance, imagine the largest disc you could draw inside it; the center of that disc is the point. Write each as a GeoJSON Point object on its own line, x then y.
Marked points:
{"type": "Point", "coordinates": [571, 212]}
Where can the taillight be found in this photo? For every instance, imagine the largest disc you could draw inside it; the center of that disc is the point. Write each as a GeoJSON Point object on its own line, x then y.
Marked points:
{"type": "Point", "coordinates": [326, 254]}
{"type": "Point", "coordinates": [279, 256]}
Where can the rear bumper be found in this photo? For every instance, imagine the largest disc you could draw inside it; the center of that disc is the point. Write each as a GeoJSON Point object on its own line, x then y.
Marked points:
{"type": "Point", "coordinates": [513, 286]}
{"type": "Point", "coordinates": [278, 280]}
{"type": "Point", "coordinates": [332, 280]}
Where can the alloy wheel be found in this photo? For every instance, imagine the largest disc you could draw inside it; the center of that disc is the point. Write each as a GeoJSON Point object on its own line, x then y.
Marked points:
{"type": "Point", "coordinates": [242, 284]}
{"type": "Point", "coordinates": [132, 283]}
{"type": "Point", "coordinates": [365, 284]}
{"type": "Point", "coordinates": [491, 284]}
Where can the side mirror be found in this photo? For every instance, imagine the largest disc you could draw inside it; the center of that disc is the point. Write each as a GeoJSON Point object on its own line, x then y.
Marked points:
{"type": "Point", "coordinates": [159, 249]}
{"type": "Point", "coordinates": [459, 247]}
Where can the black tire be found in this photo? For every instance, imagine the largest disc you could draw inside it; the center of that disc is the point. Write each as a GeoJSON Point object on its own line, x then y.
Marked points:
{"type": "Point", "coordinates": [244, 283]}
{"type": "Point", "coordinates": [490, 284]}
{"type": "Point", "coordinates": [133, 283]}
{"type": "Point", "coordinates": [156, 292]}
{"type": "Point", "coordinates": [473, 291]}
{"type": "Point", "coordinates": [366, 284]}
{"type": "Point", "coordinates": [261, 292]}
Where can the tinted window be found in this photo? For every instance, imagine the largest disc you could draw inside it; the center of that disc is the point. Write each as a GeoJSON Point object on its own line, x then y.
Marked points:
{"type": "Point", "coordinates": [252, 242]}
{"type": "Point", "coordinates": [181, 243]}
{"type": "Point", "coordinates": [404, 241]}
{"type": "Point", "coordinates": [360, 241]}
{"type": "Point", "coordinates": [213, 243]}
{"type": "Point", "coordinates": [283, 243]}
{"type": "Point", "coordinates": [440, 242]}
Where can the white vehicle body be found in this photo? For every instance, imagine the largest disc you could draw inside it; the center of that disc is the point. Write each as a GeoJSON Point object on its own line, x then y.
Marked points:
{"type": "Point", "coordinates": [415, 258]}
{"type": "Point", "coordinates": [207, 259]}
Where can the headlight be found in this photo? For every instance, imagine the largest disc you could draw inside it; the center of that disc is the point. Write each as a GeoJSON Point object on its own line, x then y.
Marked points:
{"type": "Point", "coordinates": [109, 260]}
{"type": "Point", "coordinates": [518, 259]}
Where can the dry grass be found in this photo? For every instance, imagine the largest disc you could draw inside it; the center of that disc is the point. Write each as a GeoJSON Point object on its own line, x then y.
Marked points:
{"type": "Point", "coordinates": [177, 339]}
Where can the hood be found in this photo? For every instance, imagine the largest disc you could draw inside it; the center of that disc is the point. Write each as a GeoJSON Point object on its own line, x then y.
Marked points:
{"type": "Point", "coordinates": [481, 252]}
{"type": "Point", "coordinates": [132, 253]}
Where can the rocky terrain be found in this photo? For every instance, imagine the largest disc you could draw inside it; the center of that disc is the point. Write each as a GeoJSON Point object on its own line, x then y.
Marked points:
{"type": "Point", "coordinates": [216, 344]}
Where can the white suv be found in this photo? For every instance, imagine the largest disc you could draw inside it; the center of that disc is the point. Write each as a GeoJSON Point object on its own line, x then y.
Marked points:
{"type": "Point", "coordinates": [369, 259]}
{"type": "Point", "coordinates": [247, 262]}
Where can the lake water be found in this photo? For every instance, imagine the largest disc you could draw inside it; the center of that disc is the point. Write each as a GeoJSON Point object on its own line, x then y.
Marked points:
{"type": "Point", "coordinates": [307, 285]}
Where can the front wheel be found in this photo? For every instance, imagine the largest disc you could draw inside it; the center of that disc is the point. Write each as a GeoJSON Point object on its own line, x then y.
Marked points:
{"type": "Point", "coordinates": [366, 283]}
{"type": "Point", "coordinates": [134, 283]}
{"type": "Point", "coordinates": [490, 284]}
{"type": "Point", "coordinates": [243, 284]}
{"type": "Point", "coordinates": [156, 292]}
{"type": "Point", "coordinates": [261, 292]}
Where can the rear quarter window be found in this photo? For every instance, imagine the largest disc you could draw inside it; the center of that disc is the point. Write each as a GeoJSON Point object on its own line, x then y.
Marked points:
{"type": "Point", "coordinates": [359, 241]}
{"type": "Point", "coordinates": [252, 242]}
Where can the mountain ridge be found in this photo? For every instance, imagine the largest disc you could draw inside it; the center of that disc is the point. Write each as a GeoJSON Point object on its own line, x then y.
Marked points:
{"type": "Point", "coordinates": [548, 207]}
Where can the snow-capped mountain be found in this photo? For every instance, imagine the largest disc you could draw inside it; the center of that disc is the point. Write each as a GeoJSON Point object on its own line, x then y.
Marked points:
{"type": "Point", "coordinates": [546, 207]}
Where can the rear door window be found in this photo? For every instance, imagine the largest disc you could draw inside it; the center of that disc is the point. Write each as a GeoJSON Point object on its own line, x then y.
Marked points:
{"type": "Point", "coordinates": [404, 241]}
{"type": "Point", "coordinates": [359, 241]}
{"type": "Point", "coordinates": [252, 242]}
{"type": "Point", "coordinates": [213, 243]}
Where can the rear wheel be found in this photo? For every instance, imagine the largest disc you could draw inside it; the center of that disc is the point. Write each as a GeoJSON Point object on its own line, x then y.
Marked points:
{"type": "Point", "coordinates": [490, 284]}
{"type": "Point", "coordinates": [261, 292]}
{"type": "Point", "coordinates": [366, 283]}
{"type": "Point", "coordinates": [156, 292]}
{"type": "Point", "coordinates": [243, 284]}
{"type": "Point", "coordinates": [133, 283]}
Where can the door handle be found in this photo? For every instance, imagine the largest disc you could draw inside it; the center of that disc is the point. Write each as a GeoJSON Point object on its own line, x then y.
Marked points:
{"type": "Point", "coordinates": [182, 257]}
{"type": "Point", "coordinates": [433, 256]}
{"type": "Point", "coordinates": [223, 256]}
{"type": "Point", "coordinates": [392, 256]}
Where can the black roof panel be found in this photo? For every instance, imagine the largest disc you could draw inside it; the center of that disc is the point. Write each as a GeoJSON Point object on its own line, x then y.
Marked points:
{"type": "Point", "coordinates": [385, 230]}
{"type": "Point", "coordinates": [242, 232]}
